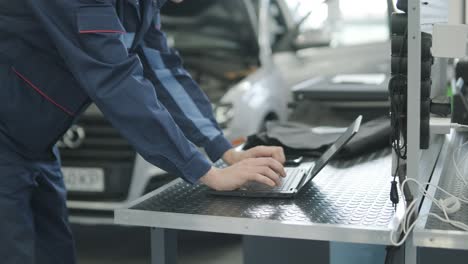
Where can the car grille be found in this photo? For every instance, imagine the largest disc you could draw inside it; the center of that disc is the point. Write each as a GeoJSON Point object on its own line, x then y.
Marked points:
{"type": "Point", "coordinates": [103, 147]}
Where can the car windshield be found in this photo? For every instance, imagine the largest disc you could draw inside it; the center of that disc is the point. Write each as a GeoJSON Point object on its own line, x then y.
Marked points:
{"type": "Point", "coordinates": [360, 22]}
{"type": "Point", "coordinates": [318, 10]}
{"type": "Point", "coordinates": [350, 22]}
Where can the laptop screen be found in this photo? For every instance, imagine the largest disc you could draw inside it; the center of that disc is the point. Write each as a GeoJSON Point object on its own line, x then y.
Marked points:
{"type": "Point", "coordinates": [334, 148]}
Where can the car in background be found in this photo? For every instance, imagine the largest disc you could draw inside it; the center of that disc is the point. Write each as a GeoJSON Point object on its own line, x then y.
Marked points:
{"type": "Point", "coordinates": [246, 55]}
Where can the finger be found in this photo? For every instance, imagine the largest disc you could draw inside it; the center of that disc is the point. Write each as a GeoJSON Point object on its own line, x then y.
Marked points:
{"type": "Point", "coordinates": [276, 166]}
{"type": "Point", "coordinates": [262, 151]}
{"type": "Point", "coordinates": [275, 152]}
{"type": "Point", "coordinates": [271, 163]}
{"type": "Point", "coordinates": [262, 179]}
{"type": "Point", "coordinates": [278, 154]}
{"type": "Point", "coordinates": [266, 171]}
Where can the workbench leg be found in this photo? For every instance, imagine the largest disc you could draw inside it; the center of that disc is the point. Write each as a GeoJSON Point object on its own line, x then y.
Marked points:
{"type": "Point", "coordinates": [438, 255]}
{"type": "Point", "coordinates": [349, 253]}
{"type": "Point", "coordinates": [163, 246]}
{"type": "Point", "coordinates": [411, 251]}
{"type": "Point", "coordinates": [282, 250]}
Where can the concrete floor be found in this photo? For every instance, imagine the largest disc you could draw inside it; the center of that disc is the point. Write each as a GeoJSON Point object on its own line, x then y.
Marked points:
{"type": "Point", "coordinates": [129, 245]}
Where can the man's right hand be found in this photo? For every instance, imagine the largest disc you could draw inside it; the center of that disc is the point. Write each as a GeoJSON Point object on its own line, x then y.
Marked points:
{"type": "Point", "coordinates": [263, 170]}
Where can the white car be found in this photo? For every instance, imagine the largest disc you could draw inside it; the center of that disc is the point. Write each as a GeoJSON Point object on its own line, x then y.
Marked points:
{"type": "Point", "coordinates": [246, 55]}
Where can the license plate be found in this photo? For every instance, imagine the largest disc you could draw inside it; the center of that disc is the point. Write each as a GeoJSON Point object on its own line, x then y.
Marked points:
{"type": "Point", "coordinates": [83, 179]}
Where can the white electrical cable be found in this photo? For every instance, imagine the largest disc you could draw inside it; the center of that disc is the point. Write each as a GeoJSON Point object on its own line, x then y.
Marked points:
{"type": "Point", "coordinates": [405, 225]}
{"type": "Point", "coordinates": [449, 205]}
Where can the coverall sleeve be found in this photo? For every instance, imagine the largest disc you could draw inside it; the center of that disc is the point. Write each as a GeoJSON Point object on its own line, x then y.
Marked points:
{"type": "Point", "coordinates": [186, 102]}
{"type": "Point", "coordinates": [87, 35]}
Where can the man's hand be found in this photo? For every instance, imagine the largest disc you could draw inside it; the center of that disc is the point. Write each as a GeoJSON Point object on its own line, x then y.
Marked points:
{"type": "Point", "coordinates": [232, 156]}
{"type": "Point", "coordinates": [263, 170]}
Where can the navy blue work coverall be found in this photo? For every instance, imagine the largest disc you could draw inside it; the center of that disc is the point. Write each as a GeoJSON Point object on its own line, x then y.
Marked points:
{"type": "Point", "coordinates": [58, 56]}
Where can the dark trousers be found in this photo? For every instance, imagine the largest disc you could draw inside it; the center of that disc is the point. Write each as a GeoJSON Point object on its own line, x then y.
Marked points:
{"type": "Point", "coordinates": [34, 226]}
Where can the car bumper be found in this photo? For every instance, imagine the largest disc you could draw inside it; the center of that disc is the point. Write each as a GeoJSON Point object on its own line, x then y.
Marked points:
{"type": "Point", "coordinates": [93, 213]}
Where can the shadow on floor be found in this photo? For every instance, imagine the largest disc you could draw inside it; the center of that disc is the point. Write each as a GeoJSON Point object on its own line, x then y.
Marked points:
{"type": "Point", "coordinates": [130, 245]}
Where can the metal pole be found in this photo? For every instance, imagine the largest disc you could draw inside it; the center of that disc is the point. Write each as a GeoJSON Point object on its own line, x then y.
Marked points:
{"type": "Point", "coordinates": [414, 88]}
{"type": "Point", "coordinates": [414, 105]}
{"type": "Point", "coordinates": [163, 246]}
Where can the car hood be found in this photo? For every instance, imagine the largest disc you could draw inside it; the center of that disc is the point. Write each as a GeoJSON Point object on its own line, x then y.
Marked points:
{"type": "Point", "coordinates": [207, 26]}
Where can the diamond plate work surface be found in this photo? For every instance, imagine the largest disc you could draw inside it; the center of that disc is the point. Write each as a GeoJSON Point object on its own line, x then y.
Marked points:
{"type": "Point", "coordinates": [349, 192]}
{"type": "Point", "coordinates": [453, 185]}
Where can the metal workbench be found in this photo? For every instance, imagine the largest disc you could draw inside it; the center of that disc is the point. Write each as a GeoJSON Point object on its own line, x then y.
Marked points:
{"type": "Point", "coordinates": [347, 202]}
{"type": "Point", "coordinates": [431, 232]}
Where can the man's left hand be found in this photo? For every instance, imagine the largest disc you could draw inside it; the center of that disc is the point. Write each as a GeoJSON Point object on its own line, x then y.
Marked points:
{"type": "Point", "coordinates": [233, 156]}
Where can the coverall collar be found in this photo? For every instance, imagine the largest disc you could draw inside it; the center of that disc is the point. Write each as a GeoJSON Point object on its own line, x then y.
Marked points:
{"type": "Point", "coordinates": [147, 16]}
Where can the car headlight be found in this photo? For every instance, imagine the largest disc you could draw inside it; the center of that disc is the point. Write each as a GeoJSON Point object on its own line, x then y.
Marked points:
{"type": "Point", "coordinates": [224, 113]}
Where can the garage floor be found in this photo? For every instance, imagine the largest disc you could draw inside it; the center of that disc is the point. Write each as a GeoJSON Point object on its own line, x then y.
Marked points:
{"type": "Point", "coordinates": [129, 245]}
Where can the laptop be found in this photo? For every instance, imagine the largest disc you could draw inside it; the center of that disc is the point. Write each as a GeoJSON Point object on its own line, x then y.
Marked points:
{"type": "Point", "coordinates": [296, 177]}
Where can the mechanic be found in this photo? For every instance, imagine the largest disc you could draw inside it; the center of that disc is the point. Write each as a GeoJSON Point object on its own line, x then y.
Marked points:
{"type": "Point", "coordinates": [58, 56]}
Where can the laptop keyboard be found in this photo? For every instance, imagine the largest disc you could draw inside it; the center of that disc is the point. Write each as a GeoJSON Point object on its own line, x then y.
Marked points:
{"type": "Point", "coordinates": [292, 174]}
{"type": "Point", "coordinates": [293, 177]}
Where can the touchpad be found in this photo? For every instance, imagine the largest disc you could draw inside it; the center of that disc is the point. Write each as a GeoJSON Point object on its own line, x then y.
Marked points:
{"type": "Point", "coordinates": [255, 186]}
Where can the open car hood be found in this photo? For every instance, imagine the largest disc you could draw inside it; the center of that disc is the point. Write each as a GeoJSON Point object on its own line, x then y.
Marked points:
{"type": "Point", "coordinates": [211, 26]}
